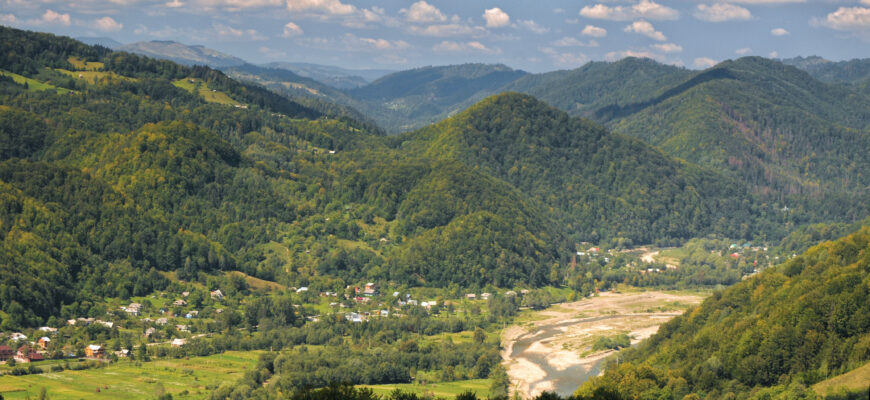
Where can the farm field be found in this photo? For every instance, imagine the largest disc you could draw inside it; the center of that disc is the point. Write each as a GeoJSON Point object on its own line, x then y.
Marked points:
{"type": "Point", "coordinates": [194, 378]}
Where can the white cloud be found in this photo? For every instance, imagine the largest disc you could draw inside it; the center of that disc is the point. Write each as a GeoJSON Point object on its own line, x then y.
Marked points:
{"type": "Point", "coordinates": [645, 28]}
{"type": "Point", "coordinates": [594, 31]}
{"type": "Point", "coordinates": [574, 42]}
{"type": "Point", "coordinates": [52, 17]}
{"type": "Point", "coordinates": [704, 62]}
{"type": "Point", "coordinates": [773, 54]}
{"type": "Point", "coordinates": [618, 55]}
{"type": "Point", "coordinates": [466, 47]}
{"type": "Point", "coordinates": [767, 1]}
{"type": "Point", "coordinates": [849, 18]}
{"type": "Point", "coordinates": [8, 19]}
{"type": "Point", "coordinates": [779, 32]}
{"type": "Point", "coordinates": [532, 26]}
{"type": "Point", "coordinates": [743, 51]}
{"type": "Point", "coordinates": [644, 9]}
{"type": "Point", "coordinates": [354, 42]}
{"type": "Point", "coordinates": [330, 7]}
{"type": "Point", "coordinates": [668, 47]}
{"type": "Point", "coordinates": [230, 32]}
{"type": "Point", "coordinates": [565, 59]}
{"type": "Point", "coordinates": [495, 18]}
{"type": "Point", "coordinates": [107, 24]}
{"type": "Point", "coordinates": [291, 29]}
{"type": "Point", "coordinates": [173, 4]}
{"type": "Point", "coordinates": [445, 30]}
{"type": "Point", "coordinates": [422, 11]}
{"type": "Point", "coordinates": [238, 4]}
{"type": "Point", "coordinates": [721, 12]}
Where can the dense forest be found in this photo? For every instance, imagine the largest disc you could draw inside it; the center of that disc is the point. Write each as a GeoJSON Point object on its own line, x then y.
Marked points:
{"type": "Point", "coordinates": [770, 336]}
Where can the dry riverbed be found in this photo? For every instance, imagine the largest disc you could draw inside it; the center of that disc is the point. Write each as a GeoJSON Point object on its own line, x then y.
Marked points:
{"type": "Point", "coordinates": [554, 352]}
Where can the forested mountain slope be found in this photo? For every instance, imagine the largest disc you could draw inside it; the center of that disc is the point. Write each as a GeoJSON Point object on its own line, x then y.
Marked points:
{"type": "Point", "coordinates": [770, 336]}
{"type": "Point", "coordinates": [796, 141]}
{"type": "Point", "coordinates": [117, 167]}
{"type": "Point", "coordinates": [601, 185]}
{"type": "Point", "coordinates": [582, 91]}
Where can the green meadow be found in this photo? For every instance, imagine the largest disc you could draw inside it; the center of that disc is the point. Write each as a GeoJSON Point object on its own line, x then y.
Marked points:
{"type": "Point", "coordinates": [193, 378]}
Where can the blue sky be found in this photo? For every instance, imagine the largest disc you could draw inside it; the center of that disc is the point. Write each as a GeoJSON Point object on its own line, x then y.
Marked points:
{"type": "Point", "coordinates": [536, 36]}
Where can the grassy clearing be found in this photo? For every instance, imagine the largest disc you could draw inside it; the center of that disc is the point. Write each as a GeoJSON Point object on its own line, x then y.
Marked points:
{"type": "Point", "coordinates": [93, 77]}
{"type": "Point", "coordinates": [445, 389]}
{"type": "Point", "coordinates": [32, 84]}
{"type": "Point", "coordinates": [198, 376]}
{"type": "Point", "coordinates": [855, 380]}
{"type": "Point", "coordinates": [197, 86]}
{"type": "Point", "coordinates": [258, 283]}
{"type": "Point", "coordinates": [82, 65]}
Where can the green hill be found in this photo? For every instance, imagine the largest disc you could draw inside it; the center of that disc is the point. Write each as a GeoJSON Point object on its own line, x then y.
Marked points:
{"type": "Point", "coordinates": [108, 184]}
{"type": "Point", "coordinates": [796, 141]}
{"type": "Point", "coordinates": [600, 185]}
{"type": "Point", "coordinates": [771, 336]}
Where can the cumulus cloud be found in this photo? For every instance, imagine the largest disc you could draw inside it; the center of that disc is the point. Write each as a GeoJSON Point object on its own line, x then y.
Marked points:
{"type": "Point", "coordinates": [668, 47]}
{"type": "Point", "coordinates": [849, 18]}
{"type": "Point", "coordinates": [464, 47]}
{"type": "Point", "coordinates": [779, 32]}
{"type": "Point", "coordinates": [618, 55]}
{"type": "Point", "coordinates": [704, 62]}
{"type": "Point", "coordinates": [173, 4]}
{"type": "Point", "coordinates": [8, 19]}
{"type": "Point", "coordinates": [422, 12]}
{"type": "Point", "coordinates": [445, 30]}
{"type": "Point", "coordinates": [645, 28]}
{"type": "Point", "coordinates": [568, 41]}
{"type": "Point", "coordinates": [495, 18]}
{"type": "Point", "coordinates": [230, 32]}
{"type": "Point", "coordinates": [532, 26]}
{"type": "Point", "coordinates": [291, 29]}
{"type": "Point", "coordinates": [644, 9]}
{"type": "Point", "coordinates": [354, 42]}
{"type": "Point", "coordinates": [768, 1]}
{"type": "Point", "coordinates": [330, 7]}
{"type": "Point", "coordinates": [107, 24]}
{"type": "Point", "coordinates": [721, 12]}
{"type": "Point", "coordinates": [773, 54]}
{"type": "Point", "coordinates": [743, 51]}
{"type": "Point", "coordinates": [565, 59]}
{"type": "Point", "coordinates": [594, 31]}
{"type": "Point", "coordinates": [237, 4]}
{"type": "Point", "coordinates": [52, 17]}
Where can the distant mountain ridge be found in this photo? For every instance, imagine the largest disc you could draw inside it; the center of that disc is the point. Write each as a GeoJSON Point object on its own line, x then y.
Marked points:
{"type": "Point", "coordinates": [101, 41]}
{"type": "Point", "coordinates": [183, 54]}
{"type": "Point", "coordinates": [336, 77]}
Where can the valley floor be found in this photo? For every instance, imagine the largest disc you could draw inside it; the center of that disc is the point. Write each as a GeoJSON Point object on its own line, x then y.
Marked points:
{"type": "Point", "coordinates": [552, 351]}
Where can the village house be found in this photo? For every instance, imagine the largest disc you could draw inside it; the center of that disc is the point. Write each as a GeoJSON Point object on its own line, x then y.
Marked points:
{"type": "Point", "coordinates": [43, 342]}
{"type": "Point", "coordinates": [5, 353]}
{"type": "Point", "coordinates": [191, 314]}
{"type": "Point", "coordinates": [133, 309]}
{"type": "Point", "coordinates": [162, 321]}
{"type": "Point", "coordinates": [181, 328]}
{"type": "Point", "coordinates": [471, 296]}
{"type": "Point", "coordinates": [185, 294]}
{"type": "Point", "coordinates": [48, 329]}
{"type": "Point", "coordinates": [178, 342]}
{"type": "Point", "coordinates": [25, 355]}
{"type": "Point", "coordinates": [485, 296]}
{"type": "Point", "coordinates": [95, 351]}
{"type": "Point", "coordinates": [179, 303]}
{"type": "Point", "coordinates": [370, 290]}
{"type": "Point", "coordinates": [123, 353]}
{"type": "Point", "coordinates": [107, 324]}
{"type": "Point", "coordinates": [302, 289]}
{"type": "Point", "coordinates": [216, 294]}
{"type": "Point", "coordinates": [149, 332]}
{"type": "Point", "coordinates": [18, 336]}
